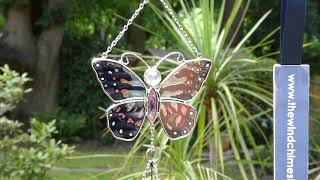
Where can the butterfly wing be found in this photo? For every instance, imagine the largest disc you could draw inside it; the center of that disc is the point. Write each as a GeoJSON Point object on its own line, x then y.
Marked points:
{"type": "Point", "coordinates": [186, 80]}
{"type": "Point", "coordinates": [126, 119]}
{"type": "Point", "coordinates": [118, 81]}
{"type": "Point", "coordinates": [177, 118]}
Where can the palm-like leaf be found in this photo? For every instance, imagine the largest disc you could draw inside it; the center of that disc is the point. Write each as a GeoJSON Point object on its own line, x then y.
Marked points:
{"type": "Point", "coordinates": [234, 95]}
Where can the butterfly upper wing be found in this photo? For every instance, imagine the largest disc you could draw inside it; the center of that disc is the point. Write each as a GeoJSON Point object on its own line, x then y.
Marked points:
{"type": "Point", "coordinates": [126, 119]}
{"type": "Point", "coordinates": [177, 118]}
{"type": "Point", "coordinates": [118, 81]}
{"type": "Point", "coordinates": [186, 80]}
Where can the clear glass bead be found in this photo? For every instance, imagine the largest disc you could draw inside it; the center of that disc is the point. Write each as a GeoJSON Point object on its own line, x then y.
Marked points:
{"type": "Point", "coordinates": [152, 154]}
{"type": "Point", "coordinates": [152, 77]}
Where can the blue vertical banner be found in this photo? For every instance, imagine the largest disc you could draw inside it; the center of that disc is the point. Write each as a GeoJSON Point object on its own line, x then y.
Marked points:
{"type": "Point", "coordinates": [291, 97]}
{"type": "Point", "coordinates": [291, 114]}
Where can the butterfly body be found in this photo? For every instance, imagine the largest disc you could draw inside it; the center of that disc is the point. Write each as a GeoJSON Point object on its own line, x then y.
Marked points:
{"type": "Point", "coordinates": [167, 100]}
{"type": "Point", "coordinates": [153, 104]}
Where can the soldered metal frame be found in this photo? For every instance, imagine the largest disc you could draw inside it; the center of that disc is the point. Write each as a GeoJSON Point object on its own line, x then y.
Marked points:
{"type": "Point", "coordinates": [148, 89]}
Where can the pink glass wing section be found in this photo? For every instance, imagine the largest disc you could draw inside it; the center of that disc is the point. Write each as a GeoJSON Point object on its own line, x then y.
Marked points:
{"type": "Point", "coordinates": [186, 80]}
{"type": "Point", "coordinates": [178, 119]}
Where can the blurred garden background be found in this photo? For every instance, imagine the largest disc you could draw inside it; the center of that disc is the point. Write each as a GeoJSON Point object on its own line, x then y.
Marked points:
{"type": "Point", "coordinates": [52, 123]}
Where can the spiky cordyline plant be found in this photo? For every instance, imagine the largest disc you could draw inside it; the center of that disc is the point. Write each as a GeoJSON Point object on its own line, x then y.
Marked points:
{"type": "Point", "coordinates": [235, 95]}
{"type": "Point", "coordinates": [233, 98]}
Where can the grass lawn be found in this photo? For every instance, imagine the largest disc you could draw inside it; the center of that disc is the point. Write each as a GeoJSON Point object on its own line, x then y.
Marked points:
{"type": "Point", "coordinates": [85, 161]}
{"type": "Point", "coordinates": [90, 159]}
{"type": "Point", "coordinates": [78, 176]}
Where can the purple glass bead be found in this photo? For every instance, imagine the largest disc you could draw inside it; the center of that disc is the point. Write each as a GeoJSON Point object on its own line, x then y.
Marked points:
{"type": "Point", "coordinates": [153, 105]}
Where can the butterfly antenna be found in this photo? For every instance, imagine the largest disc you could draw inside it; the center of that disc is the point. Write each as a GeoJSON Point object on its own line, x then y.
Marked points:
{"type": "Point", "coordinates": [180, 57]}
{"type": "Point", "coordinates": [126, 62]}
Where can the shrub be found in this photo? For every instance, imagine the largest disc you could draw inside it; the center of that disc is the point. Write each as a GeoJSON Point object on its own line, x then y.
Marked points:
{"type": "Point", "coordinates": [82, 94]}
{"type": "Point", "coordinates": [12, 88]}
{"type": "Point", "coordinates": [24, 155]}
{"type": "Point", "coordinates": [28, 155]}
{"type": "Point", "coordinates": [69, 125]}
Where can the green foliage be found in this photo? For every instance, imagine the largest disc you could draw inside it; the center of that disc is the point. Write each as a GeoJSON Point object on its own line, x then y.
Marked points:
{"type": "Point", "coordinates": [28, 155]}
{"type": "Point", "coordinates": [312, 55]}
{"type": "Point", "coordinates": [266, 156]}
{"type": "Point", "coordinates": [314, 155]}
{"type": "Point", "coordinates": [2, 20]}
{"type": "Point", "coordinates": [88, 18]}
{"type": "Point", "coordinates": [70, 125]}
{"type": "Point", "coordinates": [258, 7]}
{"type": "Point", "coordinates": [12, 88]}
{"type": "Point", "coordinates": [236, 95]}
{"type": "Point", "coordinates": [16, 3]}
{"type": "Point", "coordinates": [55, 14]}
{"type": "Point", "coordinates": [12, 85]}
{"type": "Point", "coordinates": [82, 94]}
{"type": "Point", "coordinates": [313, 16]}
{"type": "Point", "coordinates": [24, 155]}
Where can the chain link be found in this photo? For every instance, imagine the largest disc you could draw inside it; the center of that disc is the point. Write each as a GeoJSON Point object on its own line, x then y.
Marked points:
{"type": "Point", "coordinates": [152, 130]}
{"type": "Point", "coordinates": [135, 15]}
{"type": "Point", "coordinates": [125, 27]}
{"type": "Point", "coordinates": [175, 19]}
{"type": "Point", "coordinates": [152, 158]}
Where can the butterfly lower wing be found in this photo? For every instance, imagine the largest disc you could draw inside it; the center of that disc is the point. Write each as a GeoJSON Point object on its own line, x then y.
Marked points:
{"type": "Point", "coordinates": [186, 80]}
{"type": "Point", "coordinates": [126, 119]}
{"type": "Point", "coordinates": [178, 119]}
{"type": "Point", "coordinates": [118, 81]}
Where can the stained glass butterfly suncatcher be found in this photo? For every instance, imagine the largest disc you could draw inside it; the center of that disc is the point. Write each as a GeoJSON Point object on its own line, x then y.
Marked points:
{"type": "Point", "coordinates": [136, 100]}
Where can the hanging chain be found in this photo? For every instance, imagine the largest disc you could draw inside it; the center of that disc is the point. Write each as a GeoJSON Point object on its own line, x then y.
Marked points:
{"type": "Point", "coordinates": [152, 129]}
{"type": "Point", "coordinates": [152, 158]}
{"type": "Point", "coordinates": [125, 27]}
{"type": "Point", "coordinates": [135, 15]}
{"type": "Point", "coordinates": [175, 19]}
